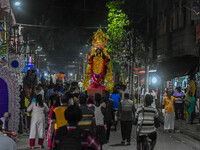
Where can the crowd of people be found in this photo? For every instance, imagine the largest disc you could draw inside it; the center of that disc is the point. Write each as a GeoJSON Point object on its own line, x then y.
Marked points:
{"type": "Point", "coordinates": [178, 105]}
{"type": "Point", "coordinates": [70, 119]}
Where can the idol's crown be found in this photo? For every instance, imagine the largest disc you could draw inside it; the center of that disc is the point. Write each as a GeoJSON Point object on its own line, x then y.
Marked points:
{"type": "Point", "coordinates": [99, 39]}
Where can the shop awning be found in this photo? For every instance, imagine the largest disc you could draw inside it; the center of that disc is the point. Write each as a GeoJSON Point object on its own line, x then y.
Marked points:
{"type": "Point", "coordinates": [177, 67]}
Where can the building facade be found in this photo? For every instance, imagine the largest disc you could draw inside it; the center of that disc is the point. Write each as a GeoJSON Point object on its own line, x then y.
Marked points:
{"type": "Point", "coordinates": [172, 26]}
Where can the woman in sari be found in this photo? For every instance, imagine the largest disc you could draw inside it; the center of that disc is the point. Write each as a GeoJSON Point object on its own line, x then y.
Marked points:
{"type": "Point", "coordinates": [191, 109]}
{"type": "Point", "coordinates": [54, 103]}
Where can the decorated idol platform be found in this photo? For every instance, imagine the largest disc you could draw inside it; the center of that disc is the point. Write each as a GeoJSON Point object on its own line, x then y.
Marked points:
{"type": "Point", "coordinates": [98, 77]}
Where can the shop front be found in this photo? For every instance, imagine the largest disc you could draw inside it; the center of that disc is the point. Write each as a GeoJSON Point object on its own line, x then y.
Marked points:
{"type": "Point", "coordinates": [182, 82]}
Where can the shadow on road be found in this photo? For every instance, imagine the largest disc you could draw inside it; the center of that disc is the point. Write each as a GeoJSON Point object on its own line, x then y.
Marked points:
{"type": "Point", "coordinates": [27, 148]}
{"type": "Point", "coordinates": [118, 145]}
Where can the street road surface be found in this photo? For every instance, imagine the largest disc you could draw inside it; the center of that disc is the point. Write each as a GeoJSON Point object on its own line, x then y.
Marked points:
{"type": "Point", "coordinates": [165, 141]}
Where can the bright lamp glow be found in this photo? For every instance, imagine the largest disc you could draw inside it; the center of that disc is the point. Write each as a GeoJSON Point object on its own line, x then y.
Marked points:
{"type": "Point", "coordinates": [154, 80]}
{"type": "Point", "coordinates": [71, 74]}
{"type": "Point", "coordinates": [17, 3]}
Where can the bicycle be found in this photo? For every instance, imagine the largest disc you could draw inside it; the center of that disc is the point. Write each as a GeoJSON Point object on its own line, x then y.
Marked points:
{"type": "Point", "coordinates": [144, 143]}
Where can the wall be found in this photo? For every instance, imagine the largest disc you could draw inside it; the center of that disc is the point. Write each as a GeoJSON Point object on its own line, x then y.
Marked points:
{"type": "Point", "coordinates": [175, 31]}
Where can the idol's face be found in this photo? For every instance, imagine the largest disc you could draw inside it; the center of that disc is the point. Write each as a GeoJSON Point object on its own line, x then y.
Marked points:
{"type": "Point", "coordinates": [99, 50]}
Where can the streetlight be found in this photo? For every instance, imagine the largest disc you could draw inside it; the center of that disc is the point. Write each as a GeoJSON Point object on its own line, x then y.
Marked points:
{"type": "Point", "coordinates": [154, 80]}
{"type": "Point", "coordinates": [17, 3]}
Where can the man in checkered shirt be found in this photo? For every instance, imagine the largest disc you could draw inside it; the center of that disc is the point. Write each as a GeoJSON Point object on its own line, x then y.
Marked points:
{"type": "Point", "coordinates": [87, 141]}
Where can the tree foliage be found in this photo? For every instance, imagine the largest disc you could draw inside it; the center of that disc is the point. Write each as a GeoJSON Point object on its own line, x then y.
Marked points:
{"type": "Point", "coordinates": [127, 31]}
{"type": "Point", "coordinates": [117, 21]}
{"type": "Point", "coordinates": [137, 12]}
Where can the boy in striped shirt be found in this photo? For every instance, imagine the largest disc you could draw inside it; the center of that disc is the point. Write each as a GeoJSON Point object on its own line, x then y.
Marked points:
{"type": "Point", "coordinates": [147, 121]}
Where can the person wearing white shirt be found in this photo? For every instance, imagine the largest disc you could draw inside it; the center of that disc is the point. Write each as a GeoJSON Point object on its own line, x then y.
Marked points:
{"type": "Point", "coordinates": [80, 84]}
{"type": "Point", "coordinates": [37, 129]}
{"type": "Point", "coordinates": [153, 93]}
{"type": "Point", "coordinates": [41, 92]}
{"type": "Point", "coordinates": [54, 77]}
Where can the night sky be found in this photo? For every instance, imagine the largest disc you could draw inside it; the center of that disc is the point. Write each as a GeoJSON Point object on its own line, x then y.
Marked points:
{"type": "Point", "coordinates": [74, 21]}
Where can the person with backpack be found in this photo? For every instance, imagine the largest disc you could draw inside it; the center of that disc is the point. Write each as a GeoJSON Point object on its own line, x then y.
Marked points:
{"type": "Point", "coordinates": [37, 129]}
{"type": "Point", "coordinates": [87, 121]}
{"type": "Point", "coordinates": [146, 119]}
{"type": "Point", "coordinates": [71, 136]}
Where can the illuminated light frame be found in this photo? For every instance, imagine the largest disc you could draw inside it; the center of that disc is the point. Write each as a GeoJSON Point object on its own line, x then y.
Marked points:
{"type": "Point", "coordinates": [13, 96]}
{"type": "Point", "coordinates": [20, 60]}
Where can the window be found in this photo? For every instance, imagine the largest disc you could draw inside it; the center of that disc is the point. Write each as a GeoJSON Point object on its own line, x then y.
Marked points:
{"type": "Point", "coordinates": [161, 23]}
{"type": "Point", "coordinates": [178, 15]}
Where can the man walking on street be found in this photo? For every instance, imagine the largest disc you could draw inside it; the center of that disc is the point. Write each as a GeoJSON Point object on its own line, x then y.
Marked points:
{"type": "Point", "coordinates": [109, 114]}
{"type": "Point", "coordinates": [87, 121]}
{"type": "Point", "coordinates": [58, 117]}
{"type": "Point", "coordinates": [153, 93]}
{"type": "Point", "coordinates": [41, 92]}
{"type": "Point", "coordinates": [127, 113]}
{"type": "Point", "coordinates": [179, 105]}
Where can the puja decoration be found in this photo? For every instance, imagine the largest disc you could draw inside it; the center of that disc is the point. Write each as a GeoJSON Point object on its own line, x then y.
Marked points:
{"type": "Point", "coordinates": [1, 35]}
{"type": "Point", "coordinates": [3, 45]}
{"type": "Point", "coordinates": [16, 63]}
{"type": "Point", "coordinates": [99, 71]}
{"type": "Point", "coordinates": [10, 79]}
{"type": "Point", "coordinates": [192, 88]}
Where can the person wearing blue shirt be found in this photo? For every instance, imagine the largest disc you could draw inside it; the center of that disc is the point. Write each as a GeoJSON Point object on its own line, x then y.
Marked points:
{"type": "Point", "coordinates": [116, 98]}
